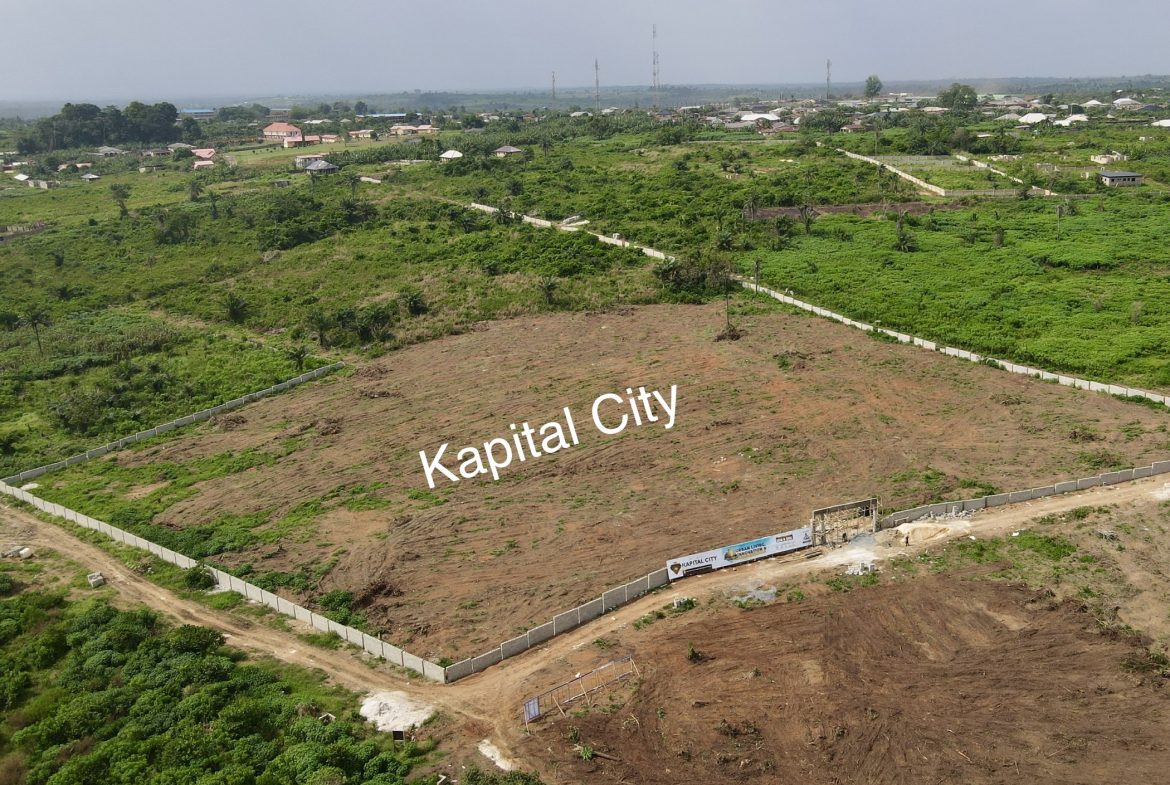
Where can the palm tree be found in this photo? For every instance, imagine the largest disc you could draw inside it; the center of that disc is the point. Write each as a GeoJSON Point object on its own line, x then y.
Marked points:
{"type": "Point", "coordinates": [352, 181]}
{"type": "Point", "coordinates": [298, 354]}
{"type": "Point", "coordinates": [36, 317]}
{"type": "Point", "coordinates": [320, 322]}
{"type": "Point", "coordinates": [548, 287]}
{"type": "Point", "coordinates": [236, 307]}
{"type": "Point", "coordinates": [194, 190]}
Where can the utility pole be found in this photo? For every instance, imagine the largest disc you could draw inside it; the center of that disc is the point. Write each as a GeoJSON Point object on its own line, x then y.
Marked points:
{"type": "Point", "coordinates": [554, 86]}
{"type": "Point", "coordinates": [828, 79]}
{"type": "Point", "coordinates": [596, 85]}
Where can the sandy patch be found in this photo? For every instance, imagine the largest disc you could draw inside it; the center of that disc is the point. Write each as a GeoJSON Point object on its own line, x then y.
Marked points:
{"type": "Point", "coordinates": [394, 711]}
{"type": "Point", "coordinates": [492, 753]}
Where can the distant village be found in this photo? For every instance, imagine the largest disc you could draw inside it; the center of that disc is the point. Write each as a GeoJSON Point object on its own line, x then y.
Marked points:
{"type": "Point", "coordinates": [1012, 113]}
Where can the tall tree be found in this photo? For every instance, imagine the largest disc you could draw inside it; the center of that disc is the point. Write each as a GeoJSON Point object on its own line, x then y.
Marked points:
{"type": "Point", "coordinates": [121, 192]}
{"type": "Point", "coordinates": [958, 97]}
{"type": "Point", "coordinates": [37, 316]}
{"type": "Point", "coordinates": [873, 86]}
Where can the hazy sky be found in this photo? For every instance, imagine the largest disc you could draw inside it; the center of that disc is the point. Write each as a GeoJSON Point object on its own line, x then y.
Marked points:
{"type": "Point", "coordinates": [84, 50]}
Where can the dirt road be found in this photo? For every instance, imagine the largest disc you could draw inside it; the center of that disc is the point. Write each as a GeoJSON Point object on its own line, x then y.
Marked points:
{"type": "Point", "coordinates": [488, 703]}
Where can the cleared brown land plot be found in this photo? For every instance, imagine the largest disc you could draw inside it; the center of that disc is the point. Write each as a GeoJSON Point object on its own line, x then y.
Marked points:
{"type": "Point", "coordinates": [933, 680]}
{"type": "Point", "coordinates": [799, 413]}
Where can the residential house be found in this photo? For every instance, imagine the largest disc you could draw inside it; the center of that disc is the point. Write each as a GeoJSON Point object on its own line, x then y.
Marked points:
{"type": "Point", "coordinates": [180, 146]}
{"type": "Point", "coordinates": [107, 152]}
{"type": "Point", "coordinates": [330, 138]}
{"type": "Point", "coordinates": [1109, 158]}
{"type": "Point", "coordinates": [302, 161]}
{"type": "Point", "coordinates": [364, 133]}
{"type": "Point", "coordinates": [197, 114]}
{"type": "Point", "coordinates": [506, 150]}
{"type": "Point", "coordinates": [206, 153]}
{"type": "Point", "coordinates": [450, 155]}
{"type": "Point", "coordinates": [321, 167]}
{"type": "Point", "coordinates": [1116, 179]}
{"type": "Point", "coordinates": [89, 177]}
{"type": "Point", "coordinates": [275, 132]}
{"type": "Point", "coordinates": [1031, 118]}
{"type": "Point", "coordinates": [203, 163]}
{"type": "Point", "coordinates": [413, 130]}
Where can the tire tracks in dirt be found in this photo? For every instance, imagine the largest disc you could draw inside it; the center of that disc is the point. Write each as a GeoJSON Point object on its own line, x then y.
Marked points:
{"type": "Point", "coordinates": [492, 699]}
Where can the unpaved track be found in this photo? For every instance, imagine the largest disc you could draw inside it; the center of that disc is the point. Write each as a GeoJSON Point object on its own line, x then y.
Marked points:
{"type": "Point", "coordinates": [491, 700]}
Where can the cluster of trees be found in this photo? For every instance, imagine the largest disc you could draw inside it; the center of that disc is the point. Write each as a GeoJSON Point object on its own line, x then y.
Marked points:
{"type": "Point", "coordinates": [87, 125]}
{"type": "Point", "coordinates": [134, 702]}
{"type": "Point", "coordinates": [292, 219]}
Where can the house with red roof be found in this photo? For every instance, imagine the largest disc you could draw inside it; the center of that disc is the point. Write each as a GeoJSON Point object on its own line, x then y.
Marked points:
{"type": "Point", "coordinates": [206, 153]}
{"type": "Point", "coordinates": [275, 132]}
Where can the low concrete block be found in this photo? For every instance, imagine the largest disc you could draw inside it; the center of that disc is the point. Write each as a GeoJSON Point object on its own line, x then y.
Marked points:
{"type": "Point", "coordinates": [320, 622]}
{"type": "Point", "coordinates": [302, 614]}
{"type": "Point", "coordinates": [434, 672]}
{"type": "Point", "coordinates": [1047, 490]}
{"type": "Point", "coordinates": [416, 663]}
{"type": "Point", "coordinates": [458, 671]}
{"type": "Point", "coordinates": [1142, 471]}
{"type": "Point", "coordinates": [540, 634]}
{"type": "Point", "coordinates": [636, 588]}
{"type": "Point", "coordinates": [614, 598]}
{"type": "Point", "coordinates": [588, 611]}
{"type": "Point", "coordinates": [515, 646]}
{"type": "Point", "coordinates": [565, 621]}
{"type": "Point", "coordinates": [1088, 482]}
{"type": "Point", "coordinates": [286, 607]}
{"type": "Point", "coordinates": [971, 505]}
{"type": "Point", "coordinates": [393, 654]}
{"type": "Point", "coordinates": [372, 645]}
{"type": "Point", "coordinates": [658, 578]}
{"type": "Point", "coordinates": [1066, 487]}
{"type": "Point", "coordinates": [1160, 467]}
{"type": "Point", "coordinates": [1111, 478]}
{"type": "Point", "coordinates": [996, 499]}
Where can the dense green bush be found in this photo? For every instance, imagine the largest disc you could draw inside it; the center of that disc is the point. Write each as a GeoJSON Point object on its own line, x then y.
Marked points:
{"type": "Point", "coordinates": [116, 697]}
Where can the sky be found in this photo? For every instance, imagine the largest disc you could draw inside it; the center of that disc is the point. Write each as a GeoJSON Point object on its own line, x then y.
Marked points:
{"type": "Point", "coordinates": [162, 49]}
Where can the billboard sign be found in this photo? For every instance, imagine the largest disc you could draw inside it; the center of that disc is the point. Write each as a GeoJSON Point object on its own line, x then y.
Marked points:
{"type": "Point", "coordinates": [740, 553]}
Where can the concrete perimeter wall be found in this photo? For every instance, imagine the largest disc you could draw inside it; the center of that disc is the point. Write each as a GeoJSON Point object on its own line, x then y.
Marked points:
{"type": "Point", "coordinates": [963, 354]}
{"type": "Point", "coordinates": [371, 644]}
{"type": "Point", "coordinates": [942, 509]}
{"type": "Point", "coordinates": [562, 622]}
{"type": "Point", "coordinates": [206, 414]}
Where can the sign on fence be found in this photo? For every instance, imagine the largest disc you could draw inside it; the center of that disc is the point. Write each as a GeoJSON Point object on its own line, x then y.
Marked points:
{"type": "Point", "coordinates": [740, 553]}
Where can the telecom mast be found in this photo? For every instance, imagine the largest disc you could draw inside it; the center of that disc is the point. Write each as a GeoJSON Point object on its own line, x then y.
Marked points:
{"type": "Point", "coordinates": [554, 86]}
{"type": "Point", "coordinates": [596, 85]}
{"type": "Point", "coordinates": [656, 85]}
{"type": "Point", "coordinates": [828, 79]}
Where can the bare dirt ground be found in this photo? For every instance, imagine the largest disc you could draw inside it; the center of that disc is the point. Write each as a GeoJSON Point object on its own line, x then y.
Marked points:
{"type": "Point", "coordinates": [933, 680]}
{"type": "Point", "coordinates": [799, 413]}
{"type": "Point", "coordinates": [975, 648]}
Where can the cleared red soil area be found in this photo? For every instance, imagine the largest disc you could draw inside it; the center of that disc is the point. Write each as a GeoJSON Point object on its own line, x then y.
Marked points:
{"type": "Point", "coordinates": [926, 681]}
{"type": "Point", "coordinates": [800, 413]}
